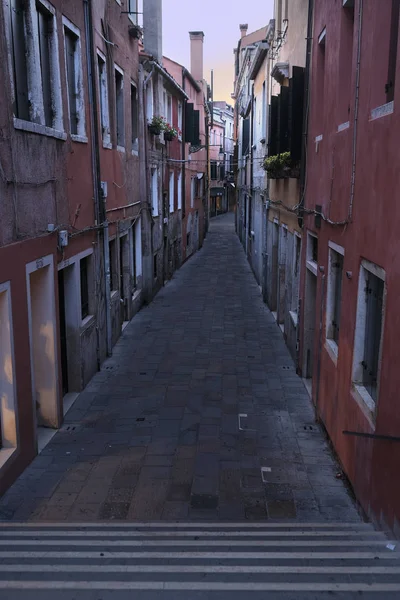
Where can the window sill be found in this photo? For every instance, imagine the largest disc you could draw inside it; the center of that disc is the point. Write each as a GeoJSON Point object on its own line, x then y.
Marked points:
{"type": "Point", "coordinates": [313, 267]}
{"type": "Point", "coordinates": [294, 317]}
{"type": "Point", "coordinates": [39, 129]}
{"type": "Point", "coordinates": [135, 152]}
{"type": "Point", "coordinates": [107, 145]}
{"type": "Point", "coordinates": [5, 455]}
{"type": "Point", "coordinates": [81, 139]}
{"type": "Point", "coordinates": [121, 149]}
{"type": "Point", "coordinates": [87, 322]}
{"type": "Point", "coordinates": [365, 402]}
{"type": "Point", "coordinates": [332, 348]}
{"type": "Point", "coordinates": [382, 111]}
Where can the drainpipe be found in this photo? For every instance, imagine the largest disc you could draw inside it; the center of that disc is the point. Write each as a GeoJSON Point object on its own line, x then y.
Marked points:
{"type": "Point", "coordinates": [251, 167]}
{"type": "Point", "coordinates": [183, 154]}
{"type": "Point", "coordinates": [100, 217]}
{"type": "Point", "coordinates": [307, 75]}
{"type": "Point", "coordinates": [356, 105]}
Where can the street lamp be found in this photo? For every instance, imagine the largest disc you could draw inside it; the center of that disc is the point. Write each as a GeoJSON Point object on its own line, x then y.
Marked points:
{"type": "Point", "coordinates": [221, 154]}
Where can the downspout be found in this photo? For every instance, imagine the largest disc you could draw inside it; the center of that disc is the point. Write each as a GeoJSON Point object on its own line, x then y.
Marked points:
{"type": "Point", "coordinates": [100, 216]}
{"type": "Point", "coordinates": [147, 255]}
{"type": "Point", "coordinates": [303, 164]}
{"type": "Point", "coordinates": [183, 153]}
{"type": "Point", "coordinates": [307, 75]}
{"type": "Point", "coordinates": [251, 164]}
{"type": "Point", "coordinates": [356, 105]}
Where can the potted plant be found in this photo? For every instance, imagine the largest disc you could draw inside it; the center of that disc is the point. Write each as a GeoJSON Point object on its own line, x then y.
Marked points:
{"type": "Point", "coordinates": [156, 125]}
{"type": "Point", "coordinates": [281, 166]}
{"type": "Point", "coordinates": [170, 133]}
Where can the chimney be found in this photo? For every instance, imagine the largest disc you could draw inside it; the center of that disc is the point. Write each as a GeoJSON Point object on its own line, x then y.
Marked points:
{"type": "Point", "coordinates": [196, 54]}
{"type": "Point", "coordinates": [152, 28]}
{"type": "Point", "coordinates": [243, 30]}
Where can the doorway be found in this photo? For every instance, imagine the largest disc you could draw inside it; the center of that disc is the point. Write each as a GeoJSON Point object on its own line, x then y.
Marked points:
{"type": "Point", "coordinates": [42, 337]}
{"type": "Point", "coordinates": [274, 269]}
{"type": "Point", "coordinates": [309, 328]}
{"type": "Point", "coordinates": [63, 333]}
{"type": "Point", "coordinates": [281, 291]}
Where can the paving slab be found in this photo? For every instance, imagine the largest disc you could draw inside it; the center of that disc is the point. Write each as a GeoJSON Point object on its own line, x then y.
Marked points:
{"type": "Point", "coordinates": [156, 434]}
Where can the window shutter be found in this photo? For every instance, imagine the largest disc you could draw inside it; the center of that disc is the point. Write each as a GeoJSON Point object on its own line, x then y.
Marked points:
{"type": "Point", "coordinates": [273, 127]}
{"type": "Point", "coordinates": [296, 113]}
{"type": "Point", "coordinates": [189, 122]}
{"type": "Point", "coordinates": [221, 172]}
{"type": "Point", "coordinates": [196, 127]}
{"type": "Point", "coordinates": [245, 136]}
{"type": "Point", "coordinates": [283, 135]}
{"type": "Point", "coordinates": [213, 170]}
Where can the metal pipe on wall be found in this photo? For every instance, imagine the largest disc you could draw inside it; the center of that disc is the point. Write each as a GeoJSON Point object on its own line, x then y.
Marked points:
{"type": "Point", "coordinates": [100, 217]}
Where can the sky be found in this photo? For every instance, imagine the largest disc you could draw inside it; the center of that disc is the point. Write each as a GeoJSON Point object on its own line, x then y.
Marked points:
{"type": "Point", "coordinates": [219, 19]}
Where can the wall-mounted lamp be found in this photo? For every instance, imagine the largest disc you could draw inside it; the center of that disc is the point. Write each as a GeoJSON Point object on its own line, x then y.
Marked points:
{"type": "Point", "coordinates": [349, 274]}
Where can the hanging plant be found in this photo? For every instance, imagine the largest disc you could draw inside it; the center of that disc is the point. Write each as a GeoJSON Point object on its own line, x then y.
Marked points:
{"type": "Point", "coordinates": [156, 125]}
{"type": "Point", "coordinates": [170, 133]}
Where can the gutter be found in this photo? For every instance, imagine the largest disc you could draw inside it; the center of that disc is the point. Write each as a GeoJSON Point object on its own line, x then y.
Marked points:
{"type": "Point", "coordinates": [169, 78]}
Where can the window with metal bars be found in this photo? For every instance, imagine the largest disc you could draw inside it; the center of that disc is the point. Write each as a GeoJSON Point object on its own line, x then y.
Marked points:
{"type": "Point", "coordinates": [374, 290]}
{"type": "Point", "coordinates": [84, 287]}
{"type": "Point", "coordinates": [71, 49]}
{"type": "Point", "coordinates": [336, 294]}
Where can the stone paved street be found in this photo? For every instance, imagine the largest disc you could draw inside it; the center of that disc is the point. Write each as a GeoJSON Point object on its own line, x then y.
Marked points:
{"type": "Point", "coordinates": [157, 433]}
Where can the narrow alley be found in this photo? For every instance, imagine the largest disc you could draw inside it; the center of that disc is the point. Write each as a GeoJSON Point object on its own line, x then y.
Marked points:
{"type": "Point", "coordinates": [191, 466]}
{"type": "Point", "coordinates": [197, 410]}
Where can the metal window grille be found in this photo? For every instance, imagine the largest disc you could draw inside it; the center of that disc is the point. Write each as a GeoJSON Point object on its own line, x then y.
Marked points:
{"type": "Point", "coordinates": [314, 248]}
{"type": "Point", "coordinates": [134, 116]}
{"type": "Point", "coordinates": [119, 107]}
{"type": "Point", "coordinates": [84, 288]}
{"type": "Point", "coordinates": [20, 67]}
{"type": "Point", "coordinates": [337, 266]}
{"type": "Point", "coordinates": [373, 328]}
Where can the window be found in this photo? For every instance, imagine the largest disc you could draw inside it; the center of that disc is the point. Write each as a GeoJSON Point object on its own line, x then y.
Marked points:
{"type": "Point", "coordinates": [113, 265]}
{"type": "Point", "coordinates": [192, 191]}
{"type": "Point", "coordinates": [199, 186]}
{"type": "Point", "coordinates": [320, 86]}
{"type": "Point", "coordinates": [149, 101]}
{"type": "Point", "coordinates": [214, 170]}
{"type": "Point", "coordinates": [334, 294]}
{"type": "Point", "coordinates": [154, 192]}
{"type": "Point", "coordinates": [84, 287]}
{"type": "Point", "coordinates": [296, 277]}
{"type": "Point", "coordinates": [254, 118]}
{"type": "Point", "coordinates": [312, 248]}
{"type": "Point", "coordinates": [134, 118]}
{"type": "Point", "coordinates": [264, 113]}
{"type": "Point", "coordinates": [180, 191]}
{"type": "Point", "coordinates": [180, 115]}
{"type": "Point", "coordinates": [119, 106]}
{"type": "Point", "coordinates": [35, 63]}
{"type": "Point", "coordinates": [74, 73]}
{"type": "Point", "coordinates": [167, 107]}
{"type": "Point", "coordinates": [171, 192]}
{"type": "Point", "coordinates": [345, 63]}
{"type": "Point", "coordinates": [368, 337]}
{"type": "Point", "coordinates": [103, 94]}
{"type": "Point", "coordinates": [393, 42]}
